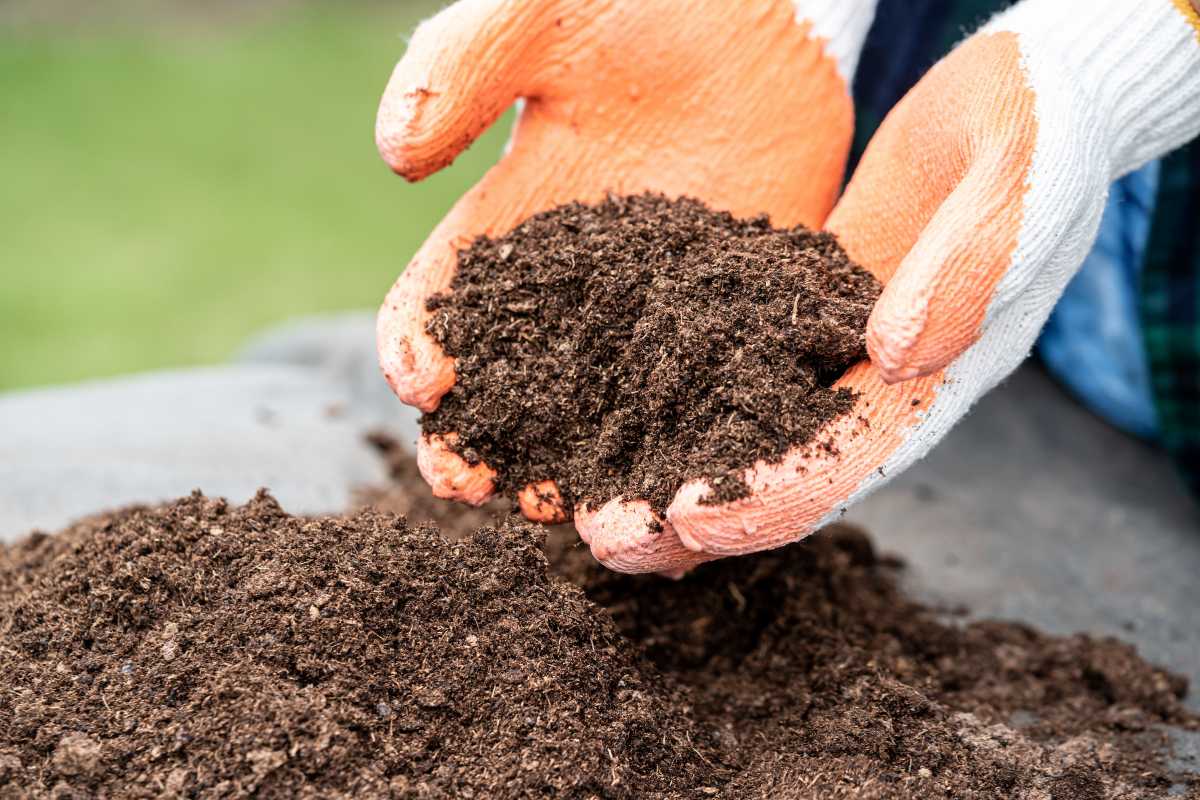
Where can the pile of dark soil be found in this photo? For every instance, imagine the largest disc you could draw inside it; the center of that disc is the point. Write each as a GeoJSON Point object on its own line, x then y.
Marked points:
{"type": "Point", "coordinates": [209, 651]}
{"type": "Point", "coordinates": [624, 348]}
{"type": "Point", "coordinates": [199, 650]}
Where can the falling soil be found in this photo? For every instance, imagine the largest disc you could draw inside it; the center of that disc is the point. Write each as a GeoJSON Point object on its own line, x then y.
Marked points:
{"type": "Point", "coordinates": [202, 650]}
{"type": "Point", "coordinates": [624, 348]}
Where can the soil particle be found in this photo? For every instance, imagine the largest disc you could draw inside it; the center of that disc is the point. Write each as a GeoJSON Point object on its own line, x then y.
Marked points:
{"type": "Point", "coordinates": [495, 664]}
{"type": "Point", "coordinates": [624, 348]}
{"type": "Point", "coordinates": [77, 754]}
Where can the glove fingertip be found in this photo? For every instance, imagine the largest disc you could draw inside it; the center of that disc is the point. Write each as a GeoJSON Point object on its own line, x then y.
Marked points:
{"type": "Point", "coordinates": [448, 473]}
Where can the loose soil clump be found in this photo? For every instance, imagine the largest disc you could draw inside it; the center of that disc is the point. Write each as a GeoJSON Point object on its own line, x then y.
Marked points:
{"type": "Point", "coordinates": [624, 348]}
{"type": "Point", "coordinates": [203, 650]}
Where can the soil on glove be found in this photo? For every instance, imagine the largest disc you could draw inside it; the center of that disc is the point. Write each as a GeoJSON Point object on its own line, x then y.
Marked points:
{"type": "Point", "coordinates": [202, 650]}
{"type": "Point", "coordinates": [624, 348]}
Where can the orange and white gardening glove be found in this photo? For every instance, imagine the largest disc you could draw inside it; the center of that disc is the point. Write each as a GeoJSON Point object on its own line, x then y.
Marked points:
{"type": "Point", "coordinates": [975, 203]}
{"type": "Point", "coordinates": [744, 105]}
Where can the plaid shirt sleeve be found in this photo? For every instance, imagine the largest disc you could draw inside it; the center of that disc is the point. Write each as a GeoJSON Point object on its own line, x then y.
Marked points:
{"type": "Point", "coordinates": [1170, 309]}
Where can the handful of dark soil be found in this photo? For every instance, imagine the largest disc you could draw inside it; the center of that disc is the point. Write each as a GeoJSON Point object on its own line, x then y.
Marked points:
{"type": "Point", "coordinates": [202, 650]}
{"type": "Point", "coordinates": [625, 348]}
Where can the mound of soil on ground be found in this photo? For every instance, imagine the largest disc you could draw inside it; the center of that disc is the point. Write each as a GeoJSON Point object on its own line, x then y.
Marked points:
{"type": "Point", "coordinates": [218, 652]}
{"type": "Point", "coordinates": [202, 650]}
{"type": "Point", "coordinates": [624, 348]}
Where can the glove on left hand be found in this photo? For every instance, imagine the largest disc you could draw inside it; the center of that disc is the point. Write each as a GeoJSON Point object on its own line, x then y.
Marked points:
{"type": "Point", "coordinates": [743, 105]}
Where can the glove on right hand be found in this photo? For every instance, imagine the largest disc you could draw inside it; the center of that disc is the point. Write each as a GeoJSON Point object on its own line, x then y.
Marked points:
{"type": "Point", "coordinates": [975, 203]}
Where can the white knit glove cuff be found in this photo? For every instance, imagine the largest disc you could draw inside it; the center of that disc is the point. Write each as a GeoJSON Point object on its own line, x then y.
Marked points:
{"type": "Point", "coordinates": [842, 25]}
{"type": "Point", "coordinates": [1134, 65]}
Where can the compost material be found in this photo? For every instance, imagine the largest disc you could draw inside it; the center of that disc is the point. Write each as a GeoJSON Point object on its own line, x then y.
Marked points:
{"type": "Point", "coordinates": [624, 348]}
{"type": "Point", "coordinates": [203, 650]}
{"type": "Point", "coordinates": [213, 651]}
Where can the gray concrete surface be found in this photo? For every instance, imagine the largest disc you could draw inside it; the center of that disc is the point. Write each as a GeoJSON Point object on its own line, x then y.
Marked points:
{"type": "Point", "coordinates": [1031, 509]}
{"type": "Point", "coordinates": [276, 417]}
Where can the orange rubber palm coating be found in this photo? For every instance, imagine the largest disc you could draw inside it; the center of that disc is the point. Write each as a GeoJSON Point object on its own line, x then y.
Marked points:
{"type": "Point", "coordinates": [451, 477]}
{"type": "Point", "coordinates": [934, 210]}
{"type": "Point", "coordinates": [734, 104]}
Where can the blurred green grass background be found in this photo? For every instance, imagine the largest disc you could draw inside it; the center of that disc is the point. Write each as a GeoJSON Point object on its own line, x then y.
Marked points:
{"type": "Point", "coordinates": [172, 183]}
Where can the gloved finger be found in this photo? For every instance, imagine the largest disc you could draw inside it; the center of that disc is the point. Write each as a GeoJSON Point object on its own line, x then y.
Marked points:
{"type": "Point", "coordinates": [415, 366]}
{"type": "Point", "coordinates": [449, 474]}
{"type": "Point", "coordinates": [542, 502]}
{"type": "Point", "coordinates": [812, 484]}
{"type": "Point", "coordinates": [461, 70]}
{"type": "Point", "coordinates": [936, 206]}
{"type": "Point", "coordinates": [452, 477]}
{"type": "Point", "coordinates": [627, 536]}
{"type": "Point", "coordinates": [933, 308]}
